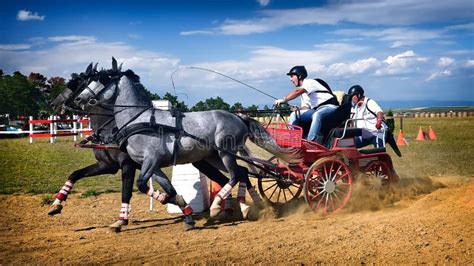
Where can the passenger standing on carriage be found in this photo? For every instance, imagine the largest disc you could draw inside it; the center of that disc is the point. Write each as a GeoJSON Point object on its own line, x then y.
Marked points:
{"type": "Point", "coordinates": [317, 101]}
{"type": "Point", "coordinates": [369, 117]}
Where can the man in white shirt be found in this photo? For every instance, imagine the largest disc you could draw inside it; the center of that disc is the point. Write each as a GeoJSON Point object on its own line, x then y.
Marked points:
{"type": "Point", "coordinates": [317, 101]}
{"type": "Point", "coordinates": [369, 117]}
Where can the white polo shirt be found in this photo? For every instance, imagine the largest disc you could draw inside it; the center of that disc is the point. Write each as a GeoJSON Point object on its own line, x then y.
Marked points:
{"type": "Point", "coordinates": [368, 118]}
{"type": "Point", "coordinates": [312, 97]}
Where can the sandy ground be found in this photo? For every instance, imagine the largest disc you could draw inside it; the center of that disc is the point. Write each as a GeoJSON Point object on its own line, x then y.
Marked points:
{"type": "Point", "coordinates": [422, 221]}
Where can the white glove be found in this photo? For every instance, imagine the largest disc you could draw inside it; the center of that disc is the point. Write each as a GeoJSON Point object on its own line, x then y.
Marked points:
{"type": "Point", "coordinates": [278, 102]}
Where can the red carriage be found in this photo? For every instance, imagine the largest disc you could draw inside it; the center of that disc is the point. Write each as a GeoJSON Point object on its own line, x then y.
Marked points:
{"type": "Point", "coordinates": [327, 172]}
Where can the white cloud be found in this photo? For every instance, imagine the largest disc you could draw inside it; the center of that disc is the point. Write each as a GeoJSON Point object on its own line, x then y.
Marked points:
{"type": "Point", "coordinates": [196, 32]}
{"type": "Point", "coordinates": [437, 75]}
{"type": "Point", "coordinates": [467, 26]}
{"type": "Point", "coordinates": [24, 15]}
{"type": "Point", "coordinates": [445, 61]}
{"type": "Point", "coordinates": [398, 36]}
{"type": "Point", "coordinates": [71, 54]}
{"type": "Point", "coordinates": [360, 12]}
{"type": "Point", "coordinates": [263, 2]}
{"type": "Point", "coordinates": [357, 67]}
{"type": "Point", "coordinates": [134, 36]}
{"type": "Point", "coordinates": [469, 63]}
{"type": "Point", "coordinates": [72, 38]}
{"type": "Point", "coordinates": [404, 63]}
{"type": "Point", "coordinates": [399, 57]}
{"type": "Point", "coordinates": [13, 47]}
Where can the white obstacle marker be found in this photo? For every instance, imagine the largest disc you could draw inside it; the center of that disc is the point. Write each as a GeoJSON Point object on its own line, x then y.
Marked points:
{"type": "Point", "coordinates": [192, 185]}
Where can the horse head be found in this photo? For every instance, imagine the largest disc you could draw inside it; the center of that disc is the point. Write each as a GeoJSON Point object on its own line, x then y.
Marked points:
{"type": "Point", "coordinates": [77, 82]}
{"type": "Point", "coordinates": [100, 86]}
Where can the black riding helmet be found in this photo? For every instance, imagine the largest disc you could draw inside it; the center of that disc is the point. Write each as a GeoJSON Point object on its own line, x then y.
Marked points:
{"type": "Point", "coordinates": [356, 90]}
{"type": "Point", "coordinates": [299, 71]}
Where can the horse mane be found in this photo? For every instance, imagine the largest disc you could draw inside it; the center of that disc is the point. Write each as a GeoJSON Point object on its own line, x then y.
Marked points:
{"type": "Point", "coordinates": [136, 81]}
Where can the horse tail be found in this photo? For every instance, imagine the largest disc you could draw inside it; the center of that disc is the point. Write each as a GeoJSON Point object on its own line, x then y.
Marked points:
{"type": "Point", "coordinates": [259, 135]}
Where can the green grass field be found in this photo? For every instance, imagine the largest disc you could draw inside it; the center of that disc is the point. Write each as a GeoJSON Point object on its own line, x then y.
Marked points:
{"type": "Point", "coordinates": [42, 167]}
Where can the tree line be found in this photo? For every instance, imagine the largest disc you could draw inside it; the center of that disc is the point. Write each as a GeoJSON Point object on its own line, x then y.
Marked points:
{"type": "Point", "coordinates": [30, 95]}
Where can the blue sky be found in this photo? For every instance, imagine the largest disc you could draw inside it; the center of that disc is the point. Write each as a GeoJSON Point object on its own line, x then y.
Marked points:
{"type": "Point", "coordinates": [396, 50]}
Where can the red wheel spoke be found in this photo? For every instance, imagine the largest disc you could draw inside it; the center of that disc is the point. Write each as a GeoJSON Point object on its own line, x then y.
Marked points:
{"type": "Point", "coordinates": [337, 171]}
{"type": "Point", "coordinates": [316, 196]}
{"type": "Point", "coordinates": [325, 172]}
{"type": "Point", "coordinates": [326, 203]}
{"type": "Point", "coordinates": [332, 203]}
{"type": "Point", "coordinates": [337, 197]}
{"type": "Point", "coordinates": [319, 202]}
{"type": "Point", "coordinates": [330, 169]}
{"type": "Point", "coordinates": [340, 177]}
{"type": "Point", "coordinates": [317, 180]}
{"type": "Point", "coordinates": [343, 184]}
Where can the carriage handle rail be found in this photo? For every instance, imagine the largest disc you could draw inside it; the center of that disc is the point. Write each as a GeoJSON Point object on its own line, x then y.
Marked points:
{"type": "Point", "coordinates": [380, 131]}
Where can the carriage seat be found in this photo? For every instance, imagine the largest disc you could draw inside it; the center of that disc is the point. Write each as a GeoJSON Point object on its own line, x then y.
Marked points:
{"type": "Point", "coordinates": [347, 141]}
{"type": "Point", "coordinates": [350, 132]}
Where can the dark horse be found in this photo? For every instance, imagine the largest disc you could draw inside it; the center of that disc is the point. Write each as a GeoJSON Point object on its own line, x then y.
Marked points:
{"type": "Point", "coordinates": [156, 138]}
{"type": "Point", "coordinates": [109, 161]}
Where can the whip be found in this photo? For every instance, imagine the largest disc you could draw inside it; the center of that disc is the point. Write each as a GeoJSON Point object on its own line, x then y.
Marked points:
{"type": "Point", "coordinates": [218, 73]}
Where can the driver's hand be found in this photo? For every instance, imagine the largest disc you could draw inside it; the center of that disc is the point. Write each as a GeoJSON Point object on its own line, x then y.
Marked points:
{"type": "Point", "coordinates": [378, 125]}
{"type": "Point", "coordinates": [278, 102]}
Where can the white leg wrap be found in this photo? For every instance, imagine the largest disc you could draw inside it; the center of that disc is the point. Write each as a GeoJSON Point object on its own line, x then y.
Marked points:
{"type": "Point", "coordinates": [57, 202]}
{"type": "Point", "coordinates": [225, 191]}
{"type": "Point", "coordinates": [124, 211]}
{"type": "Point", "coordinates": [245, 209]}
{"type": "Point", "coordinates": [215, 208]}
{"type": "Point", "coordinates": [64, 191]}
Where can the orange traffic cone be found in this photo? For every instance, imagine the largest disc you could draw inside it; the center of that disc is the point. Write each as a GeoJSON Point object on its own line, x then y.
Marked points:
{"type": "Point", "coordinates": [214, 188]}
{"type": "Point", "coordinates": [432, 134]}
{"type": "Point", "coordinates": [421, 135]}
{"type": "Point", "coordinates": [401, 141]}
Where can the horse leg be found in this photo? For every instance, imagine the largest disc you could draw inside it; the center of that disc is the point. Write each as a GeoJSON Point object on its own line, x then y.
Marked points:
{"type": "Point", "coordinates": [99, 168]}
{"type": "Point", "coordinates": [251, 189]}
{"type": "Point", "coordinates": [169, 196]}
{"type": "Point", "coordinates": [217, 176]}
{"type": "Point", "coordinates": [128, 176]}
{"type": "Point", "coordinates": [231, 165]}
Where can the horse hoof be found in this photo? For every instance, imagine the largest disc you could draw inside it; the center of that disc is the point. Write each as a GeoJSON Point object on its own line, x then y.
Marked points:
{"type": "Point", "coordinates": [188, 227]}
{"type": "Point", "coordinates": [116, 229]}
{"type": "Point", "coordinates": [117, 226]}
{"type": "Point", "coordinates": [55, 209]}
{"type": "Point", "coordinates": [224, 217]}
{"type": "Point", "coordinates": [189, 223]}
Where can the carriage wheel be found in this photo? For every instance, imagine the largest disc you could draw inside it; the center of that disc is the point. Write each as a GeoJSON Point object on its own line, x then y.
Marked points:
{"type": "Point", "coordinates": [381, 172]}
{"type": "Point", "coordinates": [328, 185]}
{"type": "Point", "coordinates": [277, 192]}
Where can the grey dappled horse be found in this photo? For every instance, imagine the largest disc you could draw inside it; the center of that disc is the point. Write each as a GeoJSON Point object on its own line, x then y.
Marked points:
{"type": "Point", "coordinates": [109, 161]}
{"type": "Point", "coordinates": [212, 136]}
